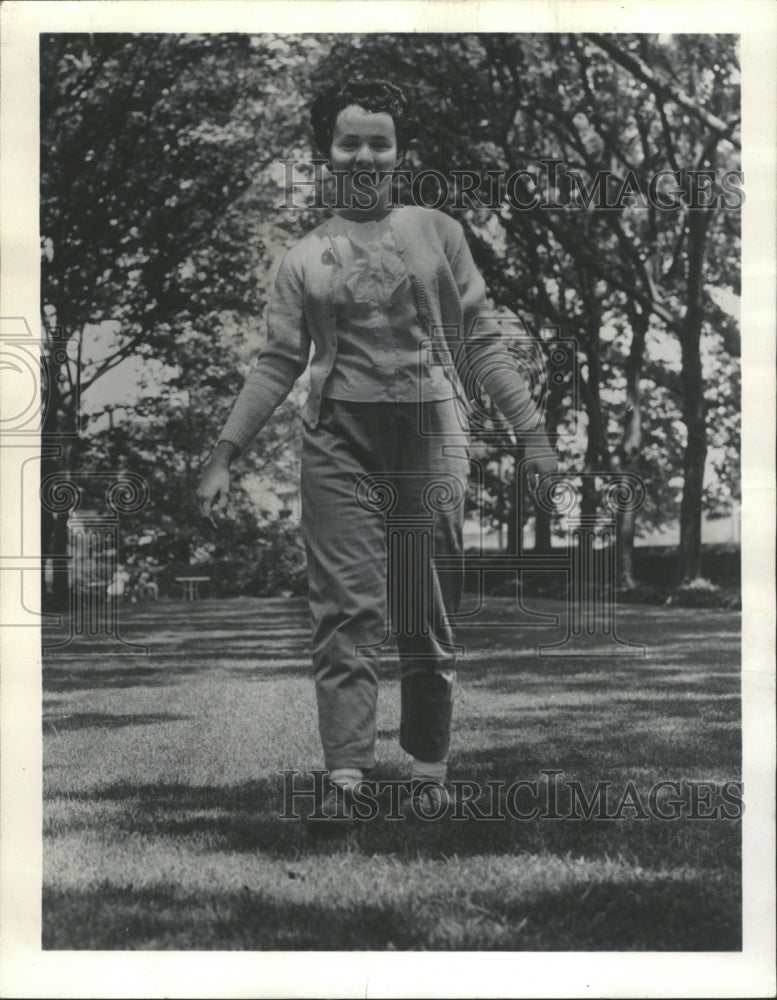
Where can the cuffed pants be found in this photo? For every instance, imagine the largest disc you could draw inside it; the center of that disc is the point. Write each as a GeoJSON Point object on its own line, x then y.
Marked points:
{"type": "Point", "coordinates": [369, 475]}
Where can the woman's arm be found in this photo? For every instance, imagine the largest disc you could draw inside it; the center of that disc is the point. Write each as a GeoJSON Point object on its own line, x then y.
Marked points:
{"type": "Point", "coordinates": [487, 359]}
{"type": "Point", "coordinates": [213, 488]}
{"type": "Point", "coordinates": [279, 364]}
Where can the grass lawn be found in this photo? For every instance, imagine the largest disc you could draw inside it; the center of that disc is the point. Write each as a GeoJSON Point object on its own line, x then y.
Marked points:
{"type": "Point", "coordinates": [162, 793]}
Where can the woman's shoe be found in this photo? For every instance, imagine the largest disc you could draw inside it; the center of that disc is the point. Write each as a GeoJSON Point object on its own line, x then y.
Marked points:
{"type": "Point", "coordinates": [334, 813]}
{"type": "Point", "coordinates": [428, 800]}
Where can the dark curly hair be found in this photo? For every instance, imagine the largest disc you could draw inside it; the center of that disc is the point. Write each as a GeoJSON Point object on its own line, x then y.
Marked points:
{"type": "Point", "coordinates": [373, 96]}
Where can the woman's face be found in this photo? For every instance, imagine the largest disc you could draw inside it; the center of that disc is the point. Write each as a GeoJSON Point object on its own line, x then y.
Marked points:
{"type": "Point", "coordinates": [364, 141]}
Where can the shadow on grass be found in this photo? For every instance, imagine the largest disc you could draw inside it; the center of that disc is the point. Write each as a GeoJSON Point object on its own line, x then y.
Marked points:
{"type": "Point", "coordinates": [264, 640]}
{"type": "Point", "coordinates": [673, 714]}
{"type": "Point", "coordinates": [102, 720]}
{"type": "Point", "coordinates": [165, 918]}
{"type": "Point", "coordinates": [275, 626]}
{"type": "Point", "coordinates": [662, 915]}
{"type": "Point", "coordinates": [93, 675]}
{"type": "Point", "coordinates": [501, 673]}
{"type": "Point", "coordinates": [247, 817]}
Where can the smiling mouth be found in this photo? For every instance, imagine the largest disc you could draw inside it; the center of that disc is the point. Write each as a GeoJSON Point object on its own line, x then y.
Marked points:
{"type": "Point", "coordinates": [369, 175]}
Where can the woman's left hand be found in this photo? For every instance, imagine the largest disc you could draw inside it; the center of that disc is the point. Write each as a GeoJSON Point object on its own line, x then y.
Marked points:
{"type": "Point", "coordinates": [539, 461]}
{"type": "Point", "coordinates": [540, 464]}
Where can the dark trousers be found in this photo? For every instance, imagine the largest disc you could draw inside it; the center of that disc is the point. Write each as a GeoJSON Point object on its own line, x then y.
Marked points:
{"type": "Point", "coordinates": [381, 500]}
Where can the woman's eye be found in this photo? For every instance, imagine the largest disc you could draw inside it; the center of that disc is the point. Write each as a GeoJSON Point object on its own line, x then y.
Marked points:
{"type": "Point", "coordinates": [351, 144]}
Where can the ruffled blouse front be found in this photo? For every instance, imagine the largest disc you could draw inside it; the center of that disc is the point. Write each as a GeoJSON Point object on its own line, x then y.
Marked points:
{"type": "Point", "coordinates": [382, 349]}
{"type": "Point", "coordinates": [376, 270]}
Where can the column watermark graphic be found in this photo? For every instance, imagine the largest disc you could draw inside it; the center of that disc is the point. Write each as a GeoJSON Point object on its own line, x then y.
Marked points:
{"type": "Point", "coordinates": [591, 591]}
{"type": "Point", "coordinates": [588, 560]}
{"type": "Point", "coordinates": [82, 543]}
{"type": "Point", "coordinates": [415, 565]}
{"type": "Point", "coordinates": [410, 542]}
{"type": "Point", "coordinates": [93, 561]}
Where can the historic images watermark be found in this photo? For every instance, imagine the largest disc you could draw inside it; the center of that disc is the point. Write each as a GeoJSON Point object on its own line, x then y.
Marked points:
{"type": "Point", "coordinates": [548, 796]}
{"type": "Point", "coordinates": [548, 184]}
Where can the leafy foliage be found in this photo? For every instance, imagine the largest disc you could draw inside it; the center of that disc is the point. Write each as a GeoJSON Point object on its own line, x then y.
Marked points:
{"type": "Point", "coordinates": [162, 212]}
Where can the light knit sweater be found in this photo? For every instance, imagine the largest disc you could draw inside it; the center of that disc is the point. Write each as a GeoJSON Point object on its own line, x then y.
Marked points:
{"type": "Point", "coordinates": [451, 299]}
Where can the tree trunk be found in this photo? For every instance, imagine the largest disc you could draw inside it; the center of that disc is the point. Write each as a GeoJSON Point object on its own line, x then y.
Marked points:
{"type": "Point", "coordinates": [515, 508]}
{"type": "Point", "coordinates": [597, 455]}
{"type": "Point", "coordinates": [542, 518]}
{"type": "Point", "coordinates": [596, 446]}
{"type": "Point", "coordinates": [694, 408]}
{"type": "Point", "coordinates": [631, 442]}
{"type": "Point", "coordinates": [53, 525]}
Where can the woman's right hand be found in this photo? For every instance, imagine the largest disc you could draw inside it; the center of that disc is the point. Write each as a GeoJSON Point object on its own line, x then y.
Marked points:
{"type": "Point", "coordinates": [213, 489]}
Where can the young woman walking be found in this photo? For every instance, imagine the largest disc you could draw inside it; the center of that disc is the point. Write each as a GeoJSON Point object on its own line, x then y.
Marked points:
{"type": "Point", "coordinates": [394, 307]}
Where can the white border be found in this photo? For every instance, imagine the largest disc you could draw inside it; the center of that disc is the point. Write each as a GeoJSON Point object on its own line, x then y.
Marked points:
{"type": "Point", "coordinates": [25, 970]}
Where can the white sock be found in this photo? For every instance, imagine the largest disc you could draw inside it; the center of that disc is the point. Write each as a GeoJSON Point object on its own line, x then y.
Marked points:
{"type": "Point", "coordinates": [346, 777]}
{"type": "Point", "coordinates": [425, 771]}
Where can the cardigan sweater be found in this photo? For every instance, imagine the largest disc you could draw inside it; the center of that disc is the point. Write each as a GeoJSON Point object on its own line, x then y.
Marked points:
{"type": "Point", "coordinates": [382, 347]}
{"type": "Point", "coordinates": [451, 300]}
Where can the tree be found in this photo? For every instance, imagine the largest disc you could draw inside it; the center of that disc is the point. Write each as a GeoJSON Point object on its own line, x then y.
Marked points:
{"type": "Point", "coordinates": [594, 116]}
{"type": "Point", "coordinates": [157, 169]}
{"type": "Point", "coordinates": [703, 71]}
{"type": "Point", "coordinates": [160, 213]}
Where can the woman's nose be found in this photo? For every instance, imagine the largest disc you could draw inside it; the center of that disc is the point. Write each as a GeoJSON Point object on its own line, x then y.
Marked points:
{"type": "Point", "coordinates": [364, 156]}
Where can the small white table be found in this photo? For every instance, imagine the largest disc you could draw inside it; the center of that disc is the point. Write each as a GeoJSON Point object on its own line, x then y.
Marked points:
{"type": "Point", "coordinates": [191, 586]}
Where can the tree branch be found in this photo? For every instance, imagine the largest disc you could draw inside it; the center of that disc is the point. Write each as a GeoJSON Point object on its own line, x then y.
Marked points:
{"type": "Point", "coordinates": [663, 90]}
